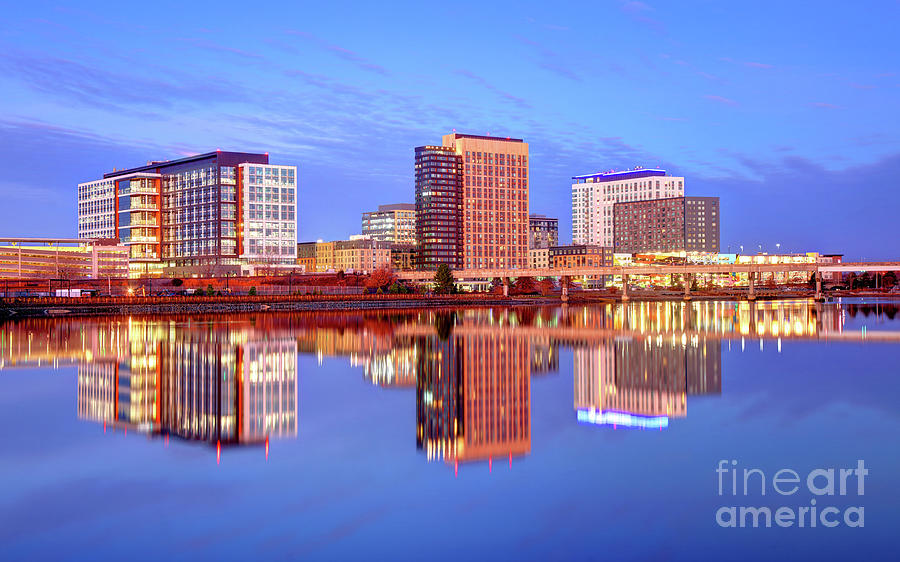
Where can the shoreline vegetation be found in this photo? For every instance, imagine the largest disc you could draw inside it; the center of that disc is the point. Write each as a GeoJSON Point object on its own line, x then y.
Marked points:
{"type": "Point", "coordinates": [11, 308]}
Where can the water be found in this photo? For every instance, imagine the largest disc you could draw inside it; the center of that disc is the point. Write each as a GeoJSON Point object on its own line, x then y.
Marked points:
{"type": "Point", "coordinates": [589, 432]}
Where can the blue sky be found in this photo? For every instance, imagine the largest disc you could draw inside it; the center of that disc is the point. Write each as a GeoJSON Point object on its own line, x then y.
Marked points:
{"type": "Point", "coordinates": [786, 110]}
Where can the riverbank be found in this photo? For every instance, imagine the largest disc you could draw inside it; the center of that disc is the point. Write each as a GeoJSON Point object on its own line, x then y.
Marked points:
{"type": "Point", "coordinates": [62, 306]}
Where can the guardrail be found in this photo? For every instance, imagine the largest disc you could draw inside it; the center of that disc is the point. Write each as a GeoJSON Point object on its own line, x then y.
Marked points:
{"type": "Point", "coordinates": [71, 302]}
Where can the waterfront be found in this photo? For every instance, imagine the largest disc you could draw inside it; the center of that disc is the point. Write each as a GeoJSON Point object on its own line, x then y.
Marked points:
{"type": "Point", "coordinates": [584, 431]}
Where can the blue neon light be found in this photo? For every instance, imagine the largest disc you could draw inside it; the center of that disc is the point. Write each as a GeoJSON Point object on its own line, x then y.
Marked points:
{"type": "Point", "coordinates": [624, 419]}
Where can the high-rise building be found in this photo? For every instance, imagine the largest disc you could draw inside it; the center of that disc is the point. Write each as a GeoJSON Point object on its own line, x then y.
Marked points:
{"type": "Point", "coordinates": [594, 196]}
{"type": "Point", "coordinates": [214, 213]}
{"type": "Point", "coordinates": [472, 202]}
{"type": "Point", "coordinates": [543, 231]}
{"type": "Point", "coordinates": [495, 200]}
{"type": "Point", "coordinates": [676, 224]}
{"type": "Point", "coordinates": [439, 234]}
{"type": "Point", "coordinates": [391, 223]}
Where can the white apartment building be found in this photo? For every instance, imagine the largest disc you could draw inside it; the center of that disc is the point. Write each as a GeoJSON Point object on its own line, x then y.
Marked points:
{"type": "Point", "coordinates": [594, 195]}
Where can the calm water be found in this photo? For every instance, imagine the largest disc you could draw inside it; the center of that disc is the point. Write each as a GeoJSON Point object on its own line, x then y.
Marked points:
{"type": "Point", "coordinates": [513, 433]}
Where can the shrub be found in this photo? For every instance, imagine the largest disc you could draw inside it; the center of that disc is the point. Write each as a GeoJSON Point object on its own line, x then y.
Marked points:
{"type": "Point", "coordinates": [198, 293]}
{"type": "Point", "coordinates": [210, 291]}
{"type": "Point", "coordinates": [252, 291]}
{"type": "Point", "coordinates": [177, 282]}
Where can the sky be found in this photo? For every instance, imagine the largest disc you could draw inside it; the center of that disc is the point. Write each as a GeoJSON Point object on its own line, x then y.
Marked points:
{"type": "Point", "coordinates": [785, 110]}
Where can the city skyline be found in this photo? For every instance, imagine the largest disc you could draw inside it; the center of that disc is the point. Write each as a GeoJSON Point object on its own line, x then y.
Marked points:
{"type": "Point", "coordinates": [769, 121]}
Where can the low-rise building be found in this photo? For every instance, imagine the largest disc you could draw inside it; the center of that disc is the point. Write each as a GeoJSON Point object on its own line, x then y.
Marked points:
{"type": "Point", "coordinates": [325, 256]}
{"type": "Point", "coordinates": [539, 258]}
{"type": "Point", "coordinates": [583, 255]}
{"type": "Point", "coordinates": [306, 256]}
{"type": "Point", "coordinates": [403, 257]}
{"type": "Point", "coordinates": [62, 258]}
{"type": "Point", "coordinates": [580, 255]}
{"type": "Point", "coordinates": [361, 255]}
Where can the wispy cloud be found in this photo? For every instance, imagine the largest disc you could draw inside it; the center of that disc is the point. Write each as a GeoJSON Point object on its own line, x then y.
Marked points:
{"type": "Point", "coordinates": [748, 64]}
{"type": "Point", "coordinates": [824, 105]}
{"type": "Point", "coordinates": [341, 52]}
{"type": "Point", "coordinates": [549, 59]}
{"type": "Point", "coordinates": [487, 85]}
{"type": "Point", "coordinates": [859, 86]}
{"type": "Point", "coordinates": [216, 47]}
{"type": "Point", "coordinates": [640, 12]}
{"type": "Point", "coordinates": [96, 85]}
{"type": "Point", "coordinates": [721, 99]}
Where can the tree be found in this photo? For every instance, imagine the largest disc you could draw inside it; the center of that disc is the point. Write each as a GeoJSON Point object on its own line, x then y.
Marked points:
{"type": "Point", "coordinates": [177, 282]}
{"type": "Point", "coordinates": [547, 286]}
{"type": "Point", "coordinates": [380, 279]}
{"type": "Point", "coordinates": [525, 286]}
{"type": "Point", "coordinates": [889, 280]}
{"type": "Point", "coordinates": [443, 280]}
{"type": "Point", "coordinates": [252, 291]}
{"type": "Point", "coordinates": [210, 291]}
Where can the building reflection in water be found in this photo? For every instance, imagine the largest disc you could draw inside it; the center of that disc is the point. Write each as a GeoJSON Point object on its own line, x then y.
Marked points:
{"type": "Point", "coordinates": [199, 380]}
{"type": "Point", "coordinates": [233, 378]}
{"type": "Point", "coordinates": [473, 392]}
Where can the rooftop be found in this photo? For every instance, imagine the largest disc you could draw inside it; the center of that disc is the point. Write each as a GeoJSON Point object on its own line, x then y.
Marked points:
{"type": "Point", "coordinates": [623, 175]}
{"type": "Point", "coordinates": [230, 157]}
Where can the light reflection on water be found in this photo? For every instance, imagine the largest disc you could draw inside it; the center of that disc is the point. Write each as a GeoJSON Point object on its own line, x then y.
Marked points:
{"type": "Point", "coordinates": [469, 374]}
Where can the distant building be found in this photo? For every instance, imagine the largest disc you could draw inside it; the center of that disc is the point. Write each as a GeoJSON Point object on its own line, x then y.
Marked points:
{"type": "Point", "coordinates": [676, 224]}
{"type": "Point", "coordinates": [581, 255]}
{"type": "Point", "coordinates": [403, 257]}
{"type": "Point", "coordinates": [306, 256]}
{"type": "Point", "coordinates": [325, 256]}
{"type": "Point", "coordinates": [594, 195]}
{"type": "Point", "coordinates": [62, 258]}
{"type": "Point", "coordinates": [543, 232]}
{"type": "Point", "coordinates": [209, 214]}
{"type": "Point", "coordinates": [831, 276]}
{"type": "Point", "coordinates": [361, 255]}
{"type": "Point", "coordinates": [391, 223]}
{"type": "Point", "coordinates": [539, 258]}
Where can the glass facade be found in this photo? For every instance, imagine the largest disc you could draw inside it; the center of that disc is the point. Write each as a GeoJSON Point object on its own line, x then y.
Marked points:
{"type": "Point", "coordinates": [439, 234]}
{"type": "Point", "coordinates": [206, 214]}
{"type": "Point", "coordinates": [269, 204]}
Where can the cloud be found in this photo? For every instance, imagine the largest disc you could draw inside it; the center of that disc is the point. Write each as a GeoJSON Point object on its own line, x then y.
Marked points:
{"type": "Point", "coordinates": [97, 85]}
{"type": "Point", "coordinates": [853, 199]}
{"type": "Point", "coordinates": [639, 12]}
{"type": "Point", "coordinates": [550, 60]}
{"type": "Point", "coordinates": [748, 64]}
{"type": "Point", "coordinates": [487, 85]}
{"type": "Point", "coordinates": [859, 86]}
{"type": "Point", "coordinates": [824, 105]}
{"type": "Point", "coordinates": [341, 52]}
{"type": "Point", "coordinates": [216, 47]}
{"type": "Point", "coordinates": [722, 100]}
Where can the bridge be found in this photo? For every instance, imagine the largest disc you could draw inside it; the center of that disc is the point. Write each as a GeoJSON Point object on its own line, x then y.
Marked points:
{"type": "Point", "coordinates": [752, 270]}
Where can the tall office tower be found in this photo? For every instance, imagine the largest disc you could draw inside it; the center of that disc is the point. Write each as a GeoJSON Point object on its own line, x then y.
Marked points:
{"type": "Point", "coordinates": [543, 232]}
{"type": "Point", "coordinates": [439, 184]}
{"type": "Point", "coordinates": [391, 223]}
{"type": "Point", "coordinates": [676, 224]}
{"type": "Point", "coordinates": [209, 214]}
{"type": "Point", "coordinates": [495, 200]}
{"type": "Point", "coordinates": [594, 195]}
